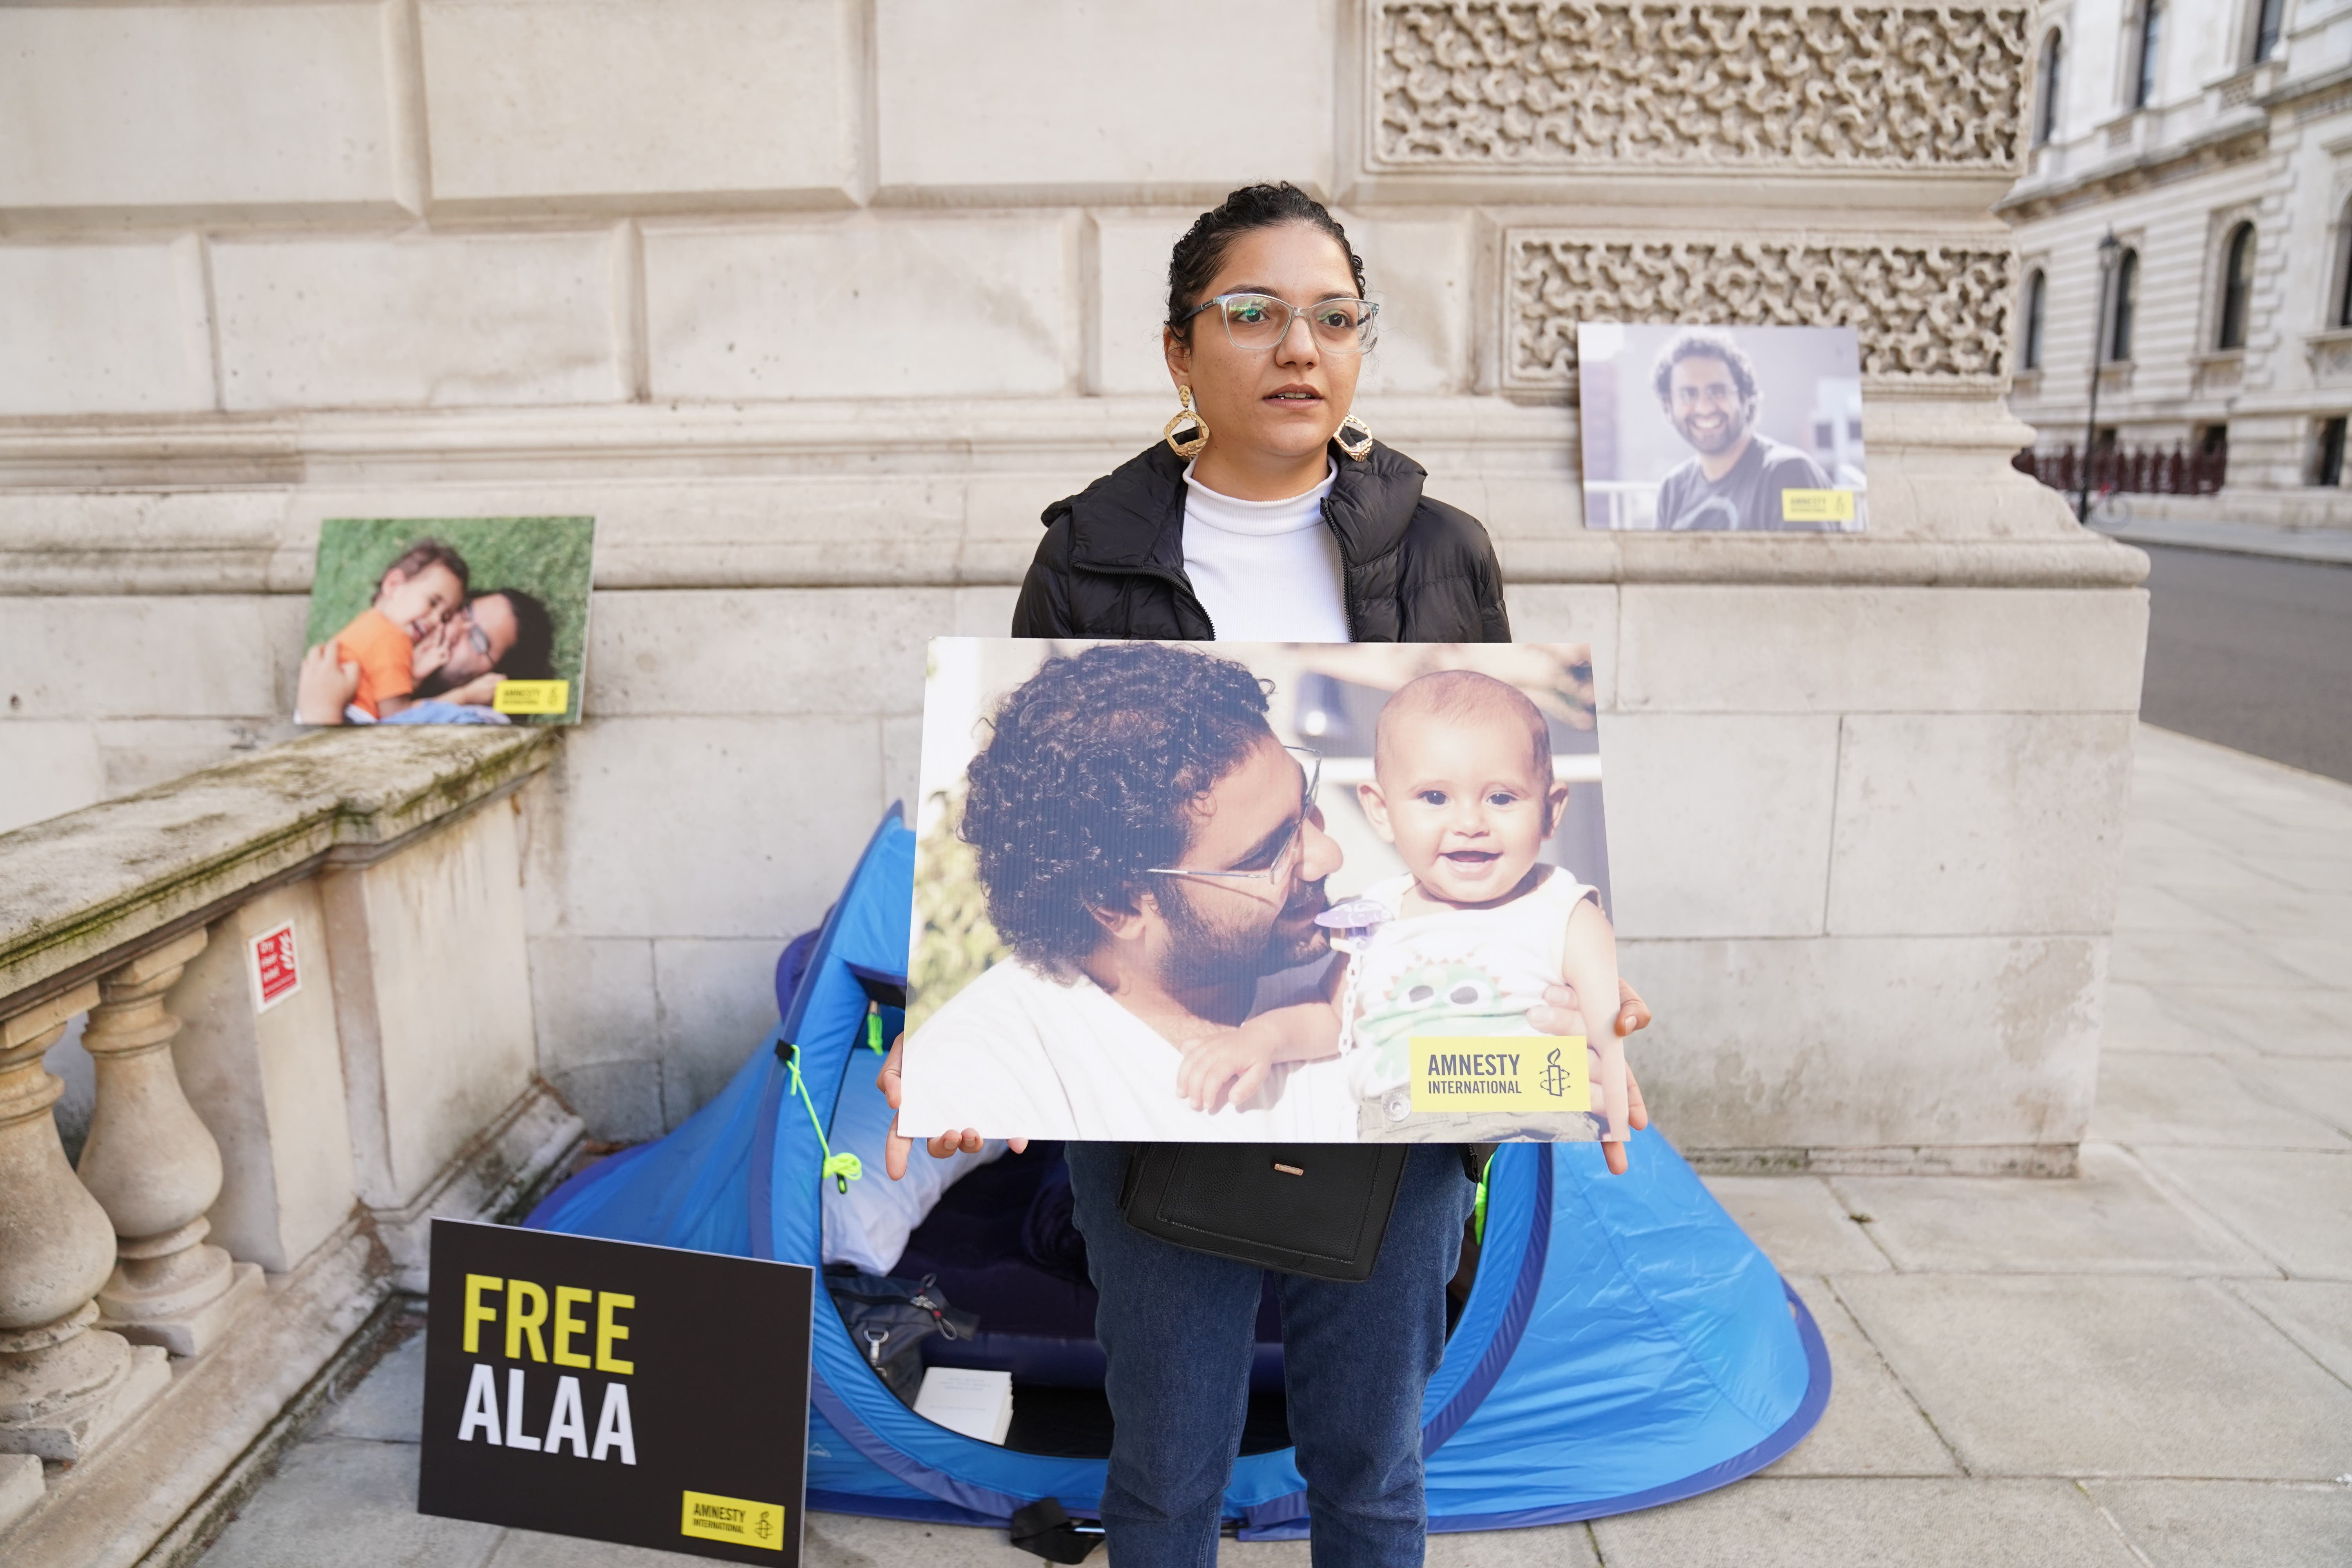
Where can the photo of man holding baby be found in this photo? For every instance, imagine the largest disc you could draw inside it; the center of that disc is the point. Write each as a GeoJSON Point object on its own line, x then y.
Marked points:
{"type": "Point", "coordinates": [1263, 891]}
{"type": "Point", "coordinates": [446, 621]}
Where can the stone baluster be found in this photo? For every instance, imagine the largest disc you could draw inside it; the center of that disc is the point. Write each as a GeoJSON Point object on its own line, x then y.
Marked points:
{"type": "Point", "coordinates": [64, 1385]}
{"type": "Point", "coordinates": [155, 1169]}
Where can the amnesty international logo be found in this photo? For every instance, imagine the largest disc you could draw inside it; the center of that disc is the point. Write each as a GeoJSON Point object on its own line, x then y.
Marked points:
{"type": "Point", "coordinates": [1555, 1078]}
{"type": "Point", "coordinates": [746, 1523]}
{"type": "Point", "coordinates": [1500, 1073]}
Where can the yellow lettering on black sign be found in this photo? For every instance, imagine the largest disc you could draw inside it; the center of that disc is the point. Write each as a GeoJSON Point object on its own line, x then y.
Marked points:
{"type": "Point", "coordinates": [1810, 506]}
{"type": "Point", "coordinates": [706, 1517]}
{"type": "Point", "coordinates": [1512, 1073]}
{"type": "Point", "coordinates": [547, 696]}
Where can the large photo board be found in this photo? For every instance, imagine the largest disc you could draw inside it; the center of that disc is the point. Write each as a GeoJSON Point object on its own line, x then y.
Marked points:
{"type": "Point", "coordinates": [1263, 892]}
{"type": "Point", "coordinates": [1716, 429]}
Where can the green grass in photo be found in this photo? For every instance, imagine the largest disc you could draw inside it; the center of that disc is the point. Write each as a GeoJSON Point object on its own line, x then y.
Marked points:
{"type": "Point", "coordinates": [546, 557]}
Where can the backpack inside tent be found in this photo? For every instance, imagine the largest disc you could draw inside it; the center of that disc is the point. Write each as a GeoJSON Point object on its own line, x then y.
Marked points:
{"type": "Point", "coordinates": [1619, 1344]}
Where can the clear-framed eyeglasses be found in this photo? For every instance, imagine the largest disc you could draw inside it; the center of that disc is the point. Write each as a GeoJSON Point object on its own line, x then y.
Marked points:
{"type": "Point", "coordinates": [1259, 321]}
{"type": "Point", "coordinates": [474, 632]}
{"type": "Point", "coordinates": [1310, 763]}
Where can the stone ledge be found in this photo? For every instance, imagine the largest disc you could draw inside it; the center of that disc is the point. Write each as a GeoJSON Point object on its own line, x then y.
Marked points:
{"type": "Point", "coordinates": [82, 890]}
{"type": "Point", "coordinates": [924, 492]}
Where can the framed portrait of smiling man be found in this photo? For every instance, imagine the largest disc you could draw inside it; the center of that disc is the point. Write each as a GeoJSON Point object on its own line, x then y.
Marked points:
{"type": "Point", "coordinates": [1713, 429]}
{"type": "Point", "coordinates": [1267, 892]}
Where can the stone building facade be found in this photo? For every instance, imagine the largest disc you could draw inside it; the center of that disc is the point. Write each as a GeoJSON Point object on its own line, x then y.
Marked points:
{"type": "Point", "coordinates": [815, 304]}
{"type": "Point", "coordinates": [2214, 139]}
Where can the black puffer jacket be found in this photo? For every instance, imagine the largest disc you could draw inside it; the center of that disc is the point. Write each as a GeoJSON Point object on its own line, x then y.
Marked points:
{"type": "Point", "coordinates": [1112, 562]}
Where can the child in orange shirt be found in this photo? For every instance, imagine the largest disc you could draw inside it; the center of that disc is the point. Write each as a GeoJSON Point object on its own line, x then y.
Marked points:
{"type": "Point", "coordinates": [413, 596]}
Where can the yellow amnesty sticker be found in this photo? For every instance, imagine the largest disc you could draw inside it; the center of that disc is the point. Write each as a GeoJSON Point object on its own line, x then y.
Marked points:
{"type": "Point", "coordinates": [548, 696]}
{"type": "Point", "coordinates": [1512, 1073]}
{"type": "Point", "coordinates": [709, 1518]}
{"type": "Point", "coordinates": [1816, 506]}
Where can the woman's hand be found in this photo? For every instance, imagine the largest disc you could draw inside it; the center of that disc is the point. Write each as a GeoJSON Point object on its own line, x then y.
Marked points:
{"type": "Point", "coordinates": [324, 686]}
{"type": "Point", "coordinates": [1560, 1016]}
{"type": "Point", "coordinates": [896, 1149]}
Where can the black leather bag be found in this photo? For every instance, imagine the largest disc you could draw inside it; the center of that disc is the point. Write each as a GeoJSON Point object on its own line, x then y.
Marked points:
{"type": "Point", "coordinates": [1300, 1208]}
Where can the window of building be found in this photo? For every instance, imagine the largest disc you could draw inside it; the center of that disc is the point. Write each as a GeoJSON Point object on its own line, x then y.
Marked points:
{"type": "Point", "coordinates": [2344, 269]}
{"type": "Point", "coordinates": [2123, 305]}
{"type": "Point", "coordinates": [2029, 351]}
{"type": "Point", "coordinates": [2045, 117]}
{"type": "Point", "coordinates": [2237, 286]}
{"type": "Point", "coordinates": [2329, 470]}
{"type": "Point", "coordinates": [2267, 23]}
{"type": "Point", "coordinates": [2151, 33]}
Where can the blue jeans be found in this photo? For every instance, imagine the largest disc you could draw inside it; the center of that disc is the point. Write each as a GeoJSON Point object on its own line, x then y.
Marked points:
{"type": "Point", "coordinates": [1179, 1329]}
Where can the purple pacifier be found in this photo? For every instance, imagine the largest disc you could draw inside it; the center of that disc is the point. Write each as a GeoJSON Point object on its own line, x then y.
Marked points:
{"type": "Point", "coordinates": [1353, 921]}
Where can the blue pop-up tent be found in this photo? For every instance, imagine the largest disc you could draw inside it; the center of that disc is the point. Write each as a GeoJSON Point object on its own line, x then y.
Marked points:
{"type": "Point", "coordinates": [1623, 1344]}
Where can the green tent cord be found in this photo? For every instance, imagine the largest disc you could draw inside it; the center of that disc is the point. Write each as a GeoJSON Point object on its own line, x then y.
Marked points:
{"type": "Point", "coordinates": [843, 1168]}
{"type": "Point", "coordinates": [874, 1028]}
{"type": "Point", "coordinates": [1478, 1207]}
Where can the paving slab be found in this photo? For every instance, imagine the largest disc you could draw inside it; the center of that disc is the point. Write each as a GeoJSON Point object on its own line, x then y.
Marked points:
{"type": "Point", "coordinates": [2315, 1313]}
{"type": "Point", "coordinates": [2149, 1098]}
{"type": "Point", "coordinates": [341, 1500]}
{"type": "Point", "coordinates": [2141, 1019]}
{"type": "Point", "coordinates": [2190, 866]}
{"type": "Point", "coordinates": [2319, 873]}
{"type": "Point", "coordinates": [2146, 907]}
{"type": "Point", "coordinates": [1775, 1523]}
{"type": "Point", "coordinates": [2285, 1020]}
{"type": "Point", "coordinates": [831, 1541]}
{"type": "Point", "coordinates": [389, 1403]}
{"type": "Point", "coordinates": [2200, 958]}
{"type": "Point", "coordinates": [2110, 1219]}
{"type": "Point", "coordinates": [2320, 1086]}
{"type": "Point", "coordinates": [2196, 1524]}
{"type": "Point", "coordinates": [2322, 958]}
{"type": "Point", "coordinates": [2114, 1375]}
{"type": "Point", "coordinates": [530, 1549]}
{"type": "Point", "coordinates": [1798, 1223]}
{"type": "Point", "coordinates": [2295, 1205]}
{"type": "Point", "coordinates": [2287, 911]}
{"type": "Point", "coordinates": [1872, 1428]}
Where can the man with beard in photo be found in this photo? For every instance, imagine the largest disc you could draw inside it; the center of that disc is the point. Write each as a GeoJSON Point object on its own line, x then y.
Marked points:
{"type": "Point", "coordinates": [1707, 388]}
{"type": "Point", "coordinates": [1155, 858]}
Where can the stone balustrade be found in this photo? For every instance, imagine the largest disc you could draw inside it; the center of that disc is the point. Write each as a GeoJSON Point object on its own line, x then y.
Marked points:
{"type": "Point", "coordinates": [303, 989]}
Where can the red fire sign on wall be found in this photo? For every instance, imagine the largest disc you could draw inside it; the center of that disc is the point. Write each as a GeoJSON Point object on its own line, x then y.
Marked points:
{"type": "Point", "coordinates": [276, 976]}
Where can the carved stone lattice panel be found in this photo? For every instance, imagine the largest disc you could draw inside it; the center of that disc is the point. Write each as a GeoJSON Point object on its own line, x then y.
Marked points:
{"type": "Point", "coordinates": [1554, 84]}
{"type": "Point", "coordinates": [1920, 309]}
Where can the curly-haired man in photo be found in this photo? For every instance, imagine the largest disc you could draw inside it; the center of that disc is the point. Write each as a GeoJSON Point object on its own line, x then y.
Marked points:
{"type": "Point", "coordinates": [1148, 851]}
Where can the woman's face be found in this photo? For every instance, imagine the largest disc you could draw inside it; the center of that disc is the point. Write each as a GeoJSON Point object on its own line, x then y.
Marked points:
{"type": "Point", "coordinates": [1270, 408]}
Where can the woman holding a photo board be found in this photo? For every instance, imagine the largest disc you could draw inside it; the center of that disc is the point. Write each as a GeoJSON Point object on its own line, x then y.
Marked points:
{"type": "Point", "coordinates": [1268, 513]}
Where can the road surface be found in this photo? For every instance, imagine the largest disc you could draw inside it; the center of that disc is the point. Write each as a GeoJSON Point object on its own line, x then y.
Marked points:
{"type": "Point", "coordinates": [2253, 652]}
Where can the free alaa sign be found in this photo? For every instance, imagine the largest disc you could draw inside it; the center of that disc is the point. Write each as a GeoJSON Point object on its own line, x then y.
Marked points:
{"type": "Point", "coordinates": [646, 1395]}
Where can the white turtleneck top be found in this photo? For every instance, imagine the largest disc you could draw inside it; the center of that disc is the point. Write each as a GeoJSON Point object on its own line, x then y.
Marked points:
{"type": "Point", "coordinates": [1267, 571]}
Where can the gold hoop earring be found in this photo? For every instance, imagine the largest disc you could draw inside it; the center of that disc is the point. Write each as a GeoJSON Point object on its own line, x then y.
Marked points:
{"type": "Point", "coordinates": [1187, 415]}
{"type": "Point", "coordinates": [1355, 437]}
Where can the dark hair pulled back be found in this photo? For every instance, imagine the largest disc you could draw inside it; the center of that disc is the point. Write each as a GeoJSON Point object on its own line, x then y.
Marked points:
{"type": "Point", "coordinates": [1193, 264]}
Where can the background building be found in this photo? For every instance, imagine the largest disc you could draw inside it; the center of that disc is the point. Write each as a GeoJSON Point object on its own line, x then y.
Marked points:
{"type": "Point", "coordinates": [816, 304]}
{"type": "Point", "coordinates": [2214, 138]}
